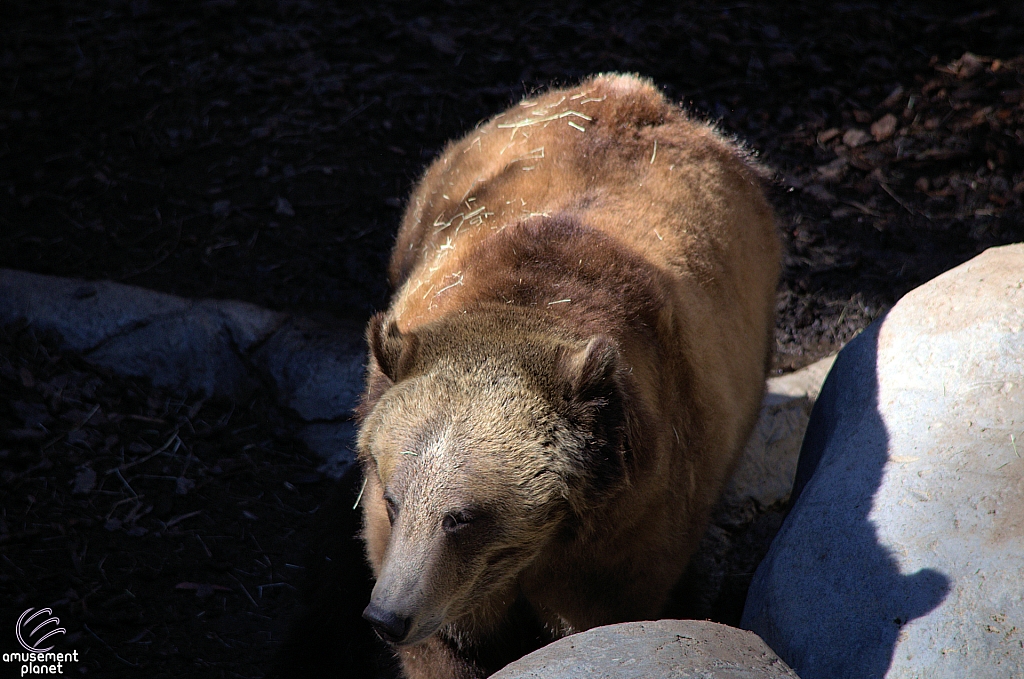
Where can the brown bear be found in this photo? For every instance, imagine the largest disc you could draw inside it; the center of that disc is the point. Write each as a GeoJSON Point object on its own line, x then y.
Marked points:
{"type": "Point", "coordinates": [572, 362]}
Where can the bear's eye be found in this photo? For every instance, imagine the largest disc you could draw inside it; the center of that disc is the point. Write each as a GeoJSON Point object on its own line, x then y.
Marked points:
{"type": "Point", "coordinates": [389, 502]}
{"type": "Point", "coordinates": [456, 521]}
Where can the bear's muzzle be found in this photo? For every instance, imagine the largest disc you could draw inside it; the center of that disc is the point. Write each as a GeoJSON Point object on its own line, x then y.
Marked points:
{"type": "Point", "coordinates": [387, 624]}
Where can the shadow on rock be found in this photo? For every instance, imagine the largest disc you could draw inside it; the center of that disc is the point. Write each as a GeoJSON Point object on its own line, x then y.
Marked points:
{"type": "Point", "coordinates": [830, 598]}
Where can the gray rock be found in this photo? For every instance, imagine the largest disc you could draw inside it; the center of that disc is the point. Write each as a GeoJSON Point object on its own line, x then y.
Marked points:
{"type": "Point", "coordinates": [317, 371]}
{"type": "Point", "coordinates": [217, 347]}
{"type": "Point", "coordinates": [189, 351]}
{"type": "Point", "coordinates": [177, 343]}
{"type": "Point", "coordinates": [904, 553]}
{"type": "Point", "coordinates": [663, 649]}
{"type": "Point", "coordinates": [85, 313]}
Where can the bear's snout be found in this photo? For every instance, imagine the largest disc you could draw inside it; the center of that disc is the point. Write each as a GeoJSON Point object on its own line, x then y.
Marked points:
{"type": "Point", "coordinates": [390, 626]}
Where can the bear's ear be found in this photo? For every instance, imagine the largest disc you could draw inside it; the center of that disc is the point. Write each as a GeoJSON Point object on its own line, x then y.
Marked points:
{"type": "Point", "coordinates": [590, 372]}
{"type": "Point", "coordinates": [391, 350]}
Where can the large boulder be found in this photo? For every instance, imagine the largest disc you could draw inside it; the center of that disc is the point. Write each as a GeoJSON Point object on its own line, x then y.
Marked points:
{"type": "Point", "coordinates": [664, 649]}
{"type": "Point", "coordinates": [904, 553]}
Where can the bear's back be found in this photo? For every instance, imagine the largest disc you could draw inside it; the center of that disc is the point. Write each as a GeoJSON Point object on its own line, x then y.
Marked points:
{"type": "Point", "coordinates": [611, 155]}
{"type": "Point", "coordinates": [614, 155]}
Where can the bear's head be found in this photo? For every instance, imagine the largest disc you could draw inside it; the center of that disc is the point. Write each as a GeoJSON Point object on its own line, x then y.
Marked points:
{"type": "Point", "coordinates": [481, 435]}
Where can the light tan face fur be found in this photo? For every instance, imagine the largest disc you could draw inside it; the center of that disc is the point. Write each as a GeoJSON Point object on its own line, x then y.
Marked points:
{"type": "Point", "coordinates": [465, 456]}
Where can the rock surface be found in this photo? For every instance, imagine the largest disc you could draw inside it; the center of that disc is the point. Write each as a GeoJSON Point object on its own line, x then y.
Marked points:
{"type": "Point", "coordinates": [904, 553]}
{"type": "Point", "coordinates": [767, 468]}
{"type": "Point", "coordinates": [212, 346]}
{"type": "Point", "coordinates": [663, 649]}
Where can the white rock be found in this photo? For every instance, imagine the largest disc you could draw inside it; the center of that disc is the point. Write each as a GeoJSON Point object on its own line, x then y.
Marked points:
{"type": "Point", "coordinates": [765, 473]}
{"type": "Point", "coordinates": [664, 649]}
{"type": "Point", "coordinates": [904, 554]}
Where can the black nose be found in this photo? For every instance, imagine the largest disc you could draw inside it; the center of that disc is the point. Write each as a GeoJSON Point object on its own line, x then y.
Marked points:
{"type": "Point", "coordinates": [388, 625]}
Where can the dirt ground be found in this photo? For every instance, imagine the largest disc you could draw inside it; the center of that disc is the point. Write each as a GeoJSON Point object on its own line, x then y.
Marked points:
{"type": "Point", "coordinates": [167, 533]}
{"type": "Point", "coordinates": [262, 151]}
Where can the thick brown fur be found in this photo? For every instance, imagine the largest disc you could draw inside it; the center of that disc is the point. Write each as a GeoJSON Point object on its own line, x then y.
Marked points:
{"type": "Point", "coordinates": [572, 362]}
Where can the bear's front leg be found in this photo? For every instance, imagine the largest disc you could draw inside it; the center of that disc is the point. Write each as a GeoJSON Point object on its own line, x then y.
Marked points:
{"type": "Point", "coordinates": [436, 659]}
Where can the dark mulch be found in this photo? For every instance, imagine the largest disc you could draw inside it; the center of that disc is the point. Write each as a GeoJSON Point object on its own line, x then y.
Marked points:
{"type": "Point", "coordinates": [168, 534]}
{"type": "Point", "coordinates": [261, 150]}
